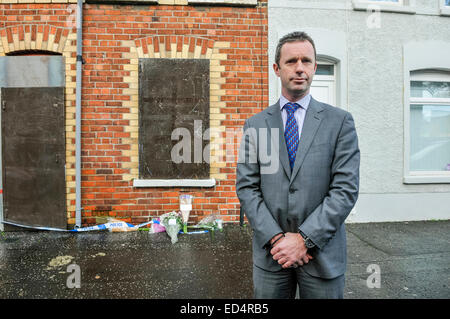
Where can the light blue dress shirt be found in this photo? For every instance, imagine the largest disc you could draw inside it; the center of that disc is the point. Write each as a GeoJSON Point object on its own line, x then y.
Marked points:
{"type": "Point", "coordinates": [299, 114]}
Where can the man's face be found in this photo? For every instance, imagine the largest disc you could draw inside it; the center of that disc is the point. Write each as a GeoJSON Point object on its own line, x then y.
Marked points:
{"type": "Point", "coordinates": [296, 69]}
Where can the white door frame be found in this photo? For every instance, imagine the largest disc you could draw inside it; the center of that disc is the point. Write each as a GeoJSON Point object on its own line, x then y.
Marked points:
{"type": "Point", "coordinates": [328, 81]}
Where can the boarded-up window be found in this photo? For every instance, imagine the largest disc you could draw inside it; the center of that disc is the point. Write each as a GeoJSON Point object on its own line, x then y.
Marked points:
{"type": "Point", "coordinates": [173, 118]}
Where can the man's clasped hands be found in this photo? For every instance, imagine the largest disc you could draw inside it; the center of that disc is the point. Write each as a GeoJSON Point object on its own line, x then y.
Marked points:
{"type": "Point", "coordinates": [289, 250]}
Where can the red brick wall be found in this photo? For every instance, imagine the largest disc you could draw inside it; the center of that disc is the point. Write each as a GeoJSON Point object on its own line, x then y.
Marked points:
{"type": "Point", "coordinates": [104, 190]}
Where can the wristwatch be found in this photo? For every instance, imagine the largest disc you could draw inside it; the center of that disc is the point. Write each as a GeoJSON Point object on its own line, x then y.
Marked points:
{"type": "Point", "coordinates": [308, 242]}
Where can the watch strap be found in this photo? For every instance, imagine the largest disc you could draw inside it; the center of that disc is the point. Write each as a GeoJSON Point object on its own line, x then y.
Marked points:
{"type": "Point", "coordinates": [308, 242]}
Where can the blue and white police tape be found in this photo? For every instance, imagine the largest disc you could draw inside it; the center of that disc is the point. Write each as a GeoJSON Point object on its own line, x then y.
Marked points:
{"type": "Point", "coordinates": [83, 229]}
{"type": "Point", "coordinates": [98, 227]}
{"type": "Point", "coordinates": [195, 232]}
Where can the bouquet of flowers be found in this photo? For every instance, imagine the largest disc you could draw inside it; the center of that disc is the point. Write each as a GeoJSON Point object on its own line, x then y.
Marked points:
{"type": "Point", "coordinates": [210, 222]}
{"type": "Point", "coordinates": [173, 222]}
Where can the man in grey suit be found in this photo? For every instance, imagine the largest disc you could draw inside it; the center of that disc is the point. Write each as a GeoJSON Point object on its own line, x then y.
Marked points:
{"type": "Point", "coordinates": [297, 181]}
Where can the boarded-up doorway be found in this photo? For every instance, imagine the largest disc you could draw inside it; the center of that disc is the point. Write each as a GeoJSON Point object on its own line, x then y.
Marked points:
{"type": "Point", "coordinates": [33, 156]}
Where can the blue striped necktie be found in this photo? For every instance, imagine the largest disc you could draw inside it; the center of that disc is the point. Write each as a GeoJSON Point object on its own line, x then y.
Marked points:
{"type": "Point", "coordinates": [291, 132]}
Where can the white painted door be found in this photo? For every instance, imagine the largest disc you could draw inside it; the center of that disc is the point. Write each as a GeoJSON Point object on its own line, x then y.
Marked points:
{"type": "Point", "coordinates": [323, 87]}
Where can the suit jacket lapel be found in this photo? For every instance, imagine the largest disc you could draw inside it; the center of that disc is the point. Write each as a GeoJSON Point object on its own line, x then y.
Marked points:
{"type": "Point", "coordinates": [274, 120]}
{"type": "Point", "coordinates": [309, 130]}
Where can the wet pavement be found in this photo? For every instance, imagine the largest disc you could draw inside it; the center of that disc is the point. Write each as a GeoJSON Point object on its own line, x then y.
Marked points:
{"type": "Point", "coordinates": [412, 260]}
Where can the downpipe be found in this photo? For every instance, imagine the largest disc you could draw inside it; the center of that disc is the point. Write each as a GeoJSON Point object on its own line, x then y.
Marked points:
{"type": "Point", "coordinates": [78, 114]}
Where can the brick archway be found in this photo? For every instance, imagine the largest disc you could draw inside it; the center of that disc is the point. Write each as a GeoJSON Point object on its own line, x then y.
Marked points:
{"type": "Point", "coordinates": [181, 47]}
{"type": "Point", "coordinates": [34, 37]}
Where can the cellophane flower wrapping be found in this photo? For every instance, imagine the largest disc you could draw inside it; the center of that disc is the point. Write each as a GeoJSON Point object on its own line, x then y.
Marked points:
{"type": "Point", "coordinates": [211, 222]}
{"type": "Point", "coordinates": [173, 223]}
{"type": "Point", "coordinates": [156, 227]}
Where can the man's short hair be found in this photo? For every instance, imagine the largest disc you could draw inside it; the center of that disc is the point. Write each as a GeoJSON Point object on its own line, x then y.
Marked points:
{"type": "Point", "coordinates": [293, 37]}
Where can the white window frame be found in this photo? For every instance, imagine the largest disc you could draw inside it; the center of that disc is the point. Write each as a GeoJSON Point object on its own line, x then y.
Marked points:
{"type": "Point", "coordinates": [432, 76]}
{"type": "Point", "coordinates": [402, 6]}
{"type": "Point", "coordinates": [427, 55]}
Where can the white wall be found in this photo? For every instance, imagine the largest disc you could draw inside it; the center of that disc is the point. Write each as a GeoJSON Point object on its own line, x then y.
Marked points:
{"type": "Point", "coordinates": [372, 82]}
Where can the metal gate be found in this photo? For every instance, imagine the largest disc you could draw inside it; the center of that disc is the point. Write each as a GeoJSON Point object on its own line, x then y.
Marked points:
{"type": "Point", "coordinates": [33, 156]}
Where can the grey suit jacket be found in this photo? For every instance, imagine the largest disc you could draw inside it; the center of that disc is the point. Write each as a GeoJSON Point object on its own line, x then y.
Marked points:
{"type": "Point", "coordinates": [316, 197]}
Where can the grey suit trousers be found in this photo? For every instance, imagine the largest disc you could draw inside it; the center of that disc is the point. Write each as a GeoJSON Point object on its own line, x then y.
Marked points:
{"type": "Point", "coordinates": [282, 284]}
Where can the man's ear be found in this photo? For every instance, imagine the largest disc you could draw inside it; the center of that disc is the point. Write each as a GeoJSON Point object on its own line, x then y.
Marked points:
{"type": "Point", "coordinates": [276, 69]}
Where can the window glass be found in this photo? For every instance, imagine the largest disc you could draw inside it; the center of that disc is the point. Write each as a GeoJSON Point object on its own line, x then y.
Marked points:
{"type": "Point", "coordinates": [325, 69]}
{"type": "Point", "coordinates": [429, 89]}
{"type": "Point", "coordinates": [430, 121]}
{"type": "Point", "coordinates": [430, 137]}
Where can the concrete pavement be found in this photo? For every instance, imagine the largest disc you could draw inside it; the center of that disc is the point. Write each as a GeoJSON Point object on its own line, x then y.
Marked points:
{"type": "Point", "coordinates": [411, 260]}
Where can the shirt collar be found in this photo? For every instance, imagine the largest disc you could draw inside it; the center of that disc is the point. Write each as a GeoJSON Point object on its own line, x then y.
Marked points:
{"type": "Point", "coordinates": [303, 102]}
